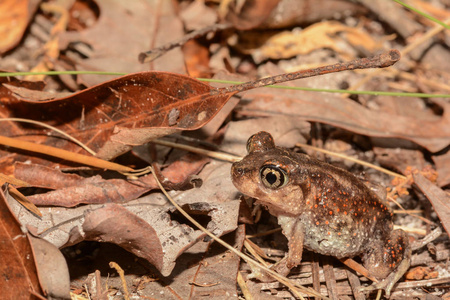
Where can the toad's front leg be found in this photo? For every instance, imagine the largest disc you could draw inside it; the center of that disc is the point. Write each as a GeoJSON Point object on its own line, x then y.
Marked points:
{"type": "Point", "coordinates": [294, 232]}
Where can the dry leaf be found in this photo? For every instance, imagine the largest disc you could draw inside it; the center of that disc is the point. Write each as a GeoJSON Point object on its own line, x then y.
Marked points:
{"type": "Point", "coordinates": [14, 18]}
{"type": "Point", "coordinates": [72, 190]}
{"type": "Point", "coordinates": [19, 272]}
{"type": "Point", "coordinates": [131, 110]}
{"type": "Point", "coordinates": [317, 36]}
{"type": "Point", "coordinates": [152, 214]}
{"type": "Point", "coordinates": [349, 115]}
{"type": "Point", "coordinates": [437, 197]}
{"type": "Point", "coordinates": [123, 30]}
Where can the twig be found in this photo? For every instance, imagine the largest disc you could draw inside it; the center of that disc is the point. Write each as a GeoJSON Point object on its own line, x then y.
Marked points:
{"type": "Point", "coordinates": [122, 278]}
{"type": "Point", "coordinates": [63, 154]}
{"type": "Point", "coordinates": [76, 141]}
{"type": "Point", "coordinates": [358, 161]}
{"type": "Point", "coordinates": [157, 52]}
{"type": "Point", "coordinates": [209, 153]}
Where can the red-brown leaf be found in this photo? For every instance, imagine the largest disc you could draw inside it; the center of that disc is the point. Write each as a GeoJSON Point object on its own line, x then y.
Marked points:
{"type": "Point", "coordinates": [114, 223]}
{"type": "Point", "coordinates": [349, 115]}
{"type": "Point", "coordinates": [15, 16]}
{"type": "Point", "coordinates": [72, 190]}
{"type": "Point", "coordinates": [131, 110]}
{"type": "Point", "coordinates": [252, 14]}
{"type": "Point", "coordinates": [437, 197]}
{"type": "Point", "coordinates": [18, 269]}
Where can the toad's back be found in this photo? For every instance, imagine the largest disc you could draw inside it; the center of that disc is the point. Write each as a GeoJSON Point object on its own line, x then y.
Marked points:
{"type": "Point", "coordinates": [341, 215]}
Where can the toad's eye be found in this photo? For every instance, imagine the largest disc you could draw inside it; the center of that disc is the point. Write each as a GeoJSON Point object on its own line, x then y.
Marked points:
{"type": "Point", "coordinates": [273, 177]}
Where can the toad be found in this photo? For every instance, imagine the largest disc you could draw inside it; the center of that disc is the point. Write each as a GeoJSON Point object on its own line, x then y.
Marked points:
{"type": "Point", "coordinates": [324, 209]}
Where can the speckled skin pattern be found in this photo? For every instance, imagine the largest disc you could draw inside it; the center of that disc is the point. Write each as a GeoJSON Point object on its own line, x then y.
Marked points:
{"type": "Point", "coordinates": [320, 207]}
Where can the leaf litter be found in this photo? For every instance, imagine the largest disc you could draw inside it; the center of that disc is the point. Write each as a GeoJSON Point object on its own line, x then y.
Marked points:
{"type": "Point", "coordinates": [115, 116]}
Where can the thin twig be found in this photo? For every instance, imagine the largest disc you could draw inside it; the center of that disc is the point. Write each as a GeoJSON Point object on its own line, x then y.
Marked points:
{"type": "Point", "coordinates": [361, 162]}
{"type": "Point", "coordinates": [76, 141]}
{"type": "Point", "coordinates": [209, 153]}
{"type": "Point", "coordinates": [157, 52]}
{"type": "Point", "coordinates": [122, 278]}
{"type": "Point", "coordinates": [63, 154]}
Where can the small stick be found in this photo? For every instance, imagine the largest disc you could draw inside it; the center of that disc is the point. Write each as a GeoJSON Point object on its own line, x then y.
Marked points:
{"type": "Point", "coordinates": [383, 60]}
{"type": "Point", "coordinates": [157, 52]}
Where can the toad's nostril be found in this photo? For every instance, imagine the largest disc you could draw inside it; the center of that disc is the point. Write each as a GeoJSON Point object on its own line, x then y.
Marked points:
{"type": "Point", "coordinates": [238, 171]}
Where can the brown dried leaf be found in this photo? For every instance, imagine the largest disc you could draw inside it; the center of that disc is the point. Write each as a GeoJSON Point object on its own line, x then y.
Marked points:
{"type": "Point", "coordinates": [438, 198]}
{"type": "Point", "coordinates": [128, 111]}
{"type": "Point", "coordinates": [21, 92]}
{"type": "Point", "coordinates": [49, 178]}
{"type": "Point", "coordinates": [52, 269]}
{"type": "Point", "coordinates": [115, 224]}
{"type": "Point", "coordinates": [19, 272]}
{"type": "Point", "coordinates": [6, 95]}
{"type": "Point", "coordinates": [138, 24]}
{"type": "Point", "coordinates": [72, 190]}
{"type": "Point", "coordinates": [347, 114]}
{"type": "Point", "coordinates": [252, 14]}
{"type": "Point", "coordinates": [294, 13]}
{"type": "Point", "coordinates": [14, 18]}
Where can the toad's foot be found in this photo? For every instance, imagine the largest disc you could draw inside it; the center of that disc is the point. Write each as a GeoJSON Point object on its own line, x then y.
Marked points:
{"type": "Point", "coordinates": [263, 276]}
{"type": "Point", "coordinates": [388, 283]}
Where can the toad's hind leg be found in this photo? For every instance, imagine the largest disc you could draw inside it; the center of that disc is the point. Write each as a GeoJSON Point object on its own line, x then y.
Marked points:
{"type": "Point", "coordinates": [388, 261]}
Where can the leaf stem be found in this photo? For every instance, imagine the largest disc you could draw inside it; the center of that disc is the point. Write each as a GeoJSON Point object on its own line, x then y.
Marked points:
{"type": "Point", "coordinates": [383, 60]}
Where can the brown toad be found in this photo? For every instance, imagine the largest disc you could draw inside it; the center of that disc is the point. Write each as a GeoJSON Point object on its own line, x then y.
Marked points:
{"type": "Point", "coordinates": [322, 208]}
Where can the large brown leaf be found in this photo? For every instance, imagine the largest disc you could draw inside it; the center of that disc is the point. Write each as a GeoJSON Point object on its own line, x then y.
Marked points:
{"type": "Point", "coordinates": [118, 114]}
{"type": "Point", "coordinates": [131, 232]}
{"type": "Point", "coordinates": [349, 115]}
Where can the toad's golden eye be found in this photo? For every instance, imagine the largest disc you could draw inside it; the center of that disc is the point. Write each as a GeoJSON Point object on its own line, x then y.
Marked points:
{"type": "Point", "coordinates": [273, 176]}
